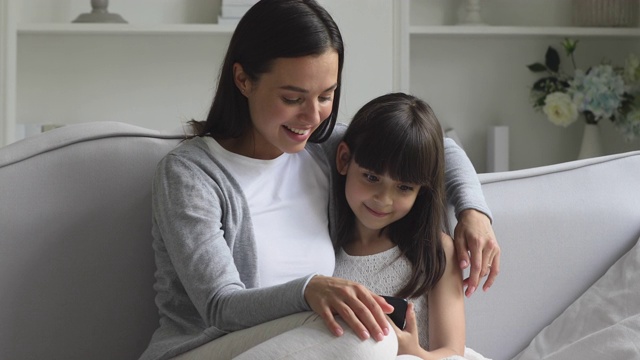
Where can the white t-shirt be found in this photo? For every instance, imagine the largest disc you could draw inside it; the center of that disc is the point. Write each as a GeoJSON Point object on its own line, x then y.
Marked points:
{"type": "Point", "coordinates": [288, 199]}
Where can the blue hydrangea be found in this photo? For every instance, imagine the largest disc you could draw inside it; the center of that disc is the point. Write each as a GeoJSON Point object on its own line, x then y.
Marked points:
{"type": "Point", "coordinates": [599, 91]}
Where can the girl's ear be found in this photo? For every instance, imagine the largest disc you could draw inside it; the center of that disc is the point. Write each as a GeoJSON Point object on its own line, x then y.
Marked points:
{"type": "Point", "coordinates": [343, 157]}
{"type": "Point", "coordinates": [241, 79]}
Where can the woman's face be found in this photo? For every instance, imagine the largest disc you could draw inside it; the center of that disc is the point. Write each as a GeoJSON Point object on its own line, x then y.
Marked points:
{"type": "Point", "coordinates": [289, 102]}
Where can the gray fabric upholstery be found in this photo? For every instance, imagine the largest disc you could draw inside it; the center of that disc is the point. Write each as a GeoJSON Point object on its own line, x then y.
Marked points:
{"type": "Point", "coordinates": [560, 228]}
{"type": "Point", "coordinates": [76, 264]}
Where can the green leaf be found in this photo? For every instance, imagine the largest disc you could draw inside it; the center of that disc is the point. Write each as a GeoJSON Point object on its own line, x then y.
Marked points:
{"type": "Point", "coordinates": [552, 59]}
{"type": "Point", "coordinates": [537, 67]}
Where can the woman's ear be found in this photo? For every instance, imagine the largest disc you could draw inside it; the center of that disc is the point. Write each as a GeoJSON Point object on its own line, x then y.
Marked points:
{"type": "Point", "coordinates": [241, 79]}
{"type": "Point", "coordinates": [343, 157]}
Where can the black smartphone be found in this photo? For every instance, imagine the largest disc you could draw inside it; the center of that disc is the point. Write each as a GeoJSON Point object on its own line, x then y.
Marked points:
{"type": "Point", "coordinates": [398, 316]}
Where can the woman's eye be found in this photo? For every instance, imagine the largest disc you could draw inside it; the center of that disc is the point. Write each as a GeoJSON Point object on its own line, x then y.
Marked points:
{"type": "Point", "coordinates": [324, 99]}
{"type": "Point", "coordinates": [291, 101]}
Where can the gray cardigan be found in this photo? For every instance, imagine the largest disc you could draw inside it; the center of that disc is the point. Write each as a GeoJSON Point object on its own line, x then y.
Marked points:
{"type": "Point", "coordinates": [206, 277]}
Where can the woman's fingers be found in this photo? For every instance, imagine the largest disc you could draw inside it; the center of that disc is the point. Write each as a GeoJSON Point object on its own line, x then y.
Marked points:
{"type": "Point", "coordinates": [356, 305]}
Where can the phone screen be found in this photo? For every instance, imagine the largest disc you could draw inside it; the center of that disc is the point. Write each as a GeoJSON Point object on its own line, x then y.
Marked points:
{"type": "Point", "coordinates": [398, 316]}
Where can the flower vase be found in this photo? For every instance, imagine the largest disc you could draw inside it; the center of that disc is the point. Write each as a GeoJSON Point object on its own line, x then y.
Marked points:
{"type": "Point", "coordinates": [591, 144]}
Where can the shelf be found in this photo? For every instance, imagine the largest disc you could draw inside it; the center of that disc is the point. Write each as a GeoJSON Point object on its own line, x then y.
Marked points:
{"type": "Point", "coordinates": [462, 30]}
{"type": "Point", "coordinates": [115, 29]}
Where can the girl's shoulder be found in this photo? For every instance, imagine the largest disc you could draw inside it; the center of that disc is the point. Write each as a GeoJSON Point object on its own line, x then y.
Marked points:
{"type": "Point", "coordinates": [447, 245]}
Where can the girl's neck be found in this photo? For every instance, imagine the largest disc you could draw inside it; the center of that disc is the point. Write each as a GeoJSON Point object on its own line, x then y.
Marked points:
{"type": "Point", "coordinates": [368, 243]}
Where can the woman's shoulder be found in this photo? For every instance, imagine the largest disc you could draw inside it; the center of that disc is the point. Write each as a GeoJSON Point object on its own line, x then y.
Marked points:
{"type": "Point", "coordinates": [191, 154]}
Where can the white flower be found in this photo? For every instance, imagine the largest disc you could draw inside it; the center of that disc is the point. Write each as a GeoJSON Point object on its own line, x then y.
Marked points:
{"type": "Point", "coordinates": [559, 109]}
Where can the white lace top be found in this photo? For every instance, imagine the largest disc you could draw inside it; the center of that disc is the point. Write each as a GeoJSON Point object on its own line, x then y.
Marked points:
{"type": "Point", "coordinates": [384, 273]}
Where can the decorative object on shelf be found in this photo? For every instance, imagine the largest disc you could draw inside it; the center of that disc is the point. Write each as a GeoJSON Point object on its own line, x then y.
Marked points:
{"type": "Point", "coordinates": [605, 13]}
{"type": "Point", "coordinates": [231, 11]}
{"type": "Point", "coordinates": [498, 148]}
{"type": "Point", "coordinates": [591, 145]}
{"type": "Point", "coordinates": [603, 91]}
{"type": "Point", "coordinates": [471, 13]}
{"type": "Point", "coordinates": [99, 14]}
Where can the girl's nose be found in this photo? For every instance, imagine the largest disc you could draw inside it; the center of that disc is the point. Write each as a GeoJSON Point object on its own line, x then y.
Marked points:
{"type": "Point", "coordinates": [383, 196]}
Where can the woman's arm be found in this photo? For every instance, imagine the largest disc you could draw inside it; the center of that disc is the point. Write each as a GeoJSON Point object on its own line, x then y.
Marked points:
{"type": "Point", "coordinates": [198, 226]}
{"type": "Point", "coordinates": [475, 241]}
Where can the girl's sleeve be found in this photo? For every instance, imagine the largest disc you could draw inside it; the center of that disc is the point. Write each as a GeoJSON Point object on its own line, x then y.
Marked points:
{"type": "Point", "coordinates": [461, 181]}
{"type": "Point", "coordinates": [188, 213]}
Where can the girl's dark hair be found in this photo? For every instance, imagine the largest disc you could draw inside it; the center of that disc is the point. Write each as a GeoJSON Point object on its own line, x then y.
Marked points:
{"type": "Point", "coordinates": [271, 29]}
{"type": "Point", "coordinates": [399, 135]}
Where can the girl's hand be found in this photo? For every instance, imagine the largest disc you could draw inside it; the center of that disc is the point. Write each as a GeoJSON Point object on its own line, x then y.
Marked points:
{"type": "Point", "coordinates": [408, 343]}
{"type": "Point", "coordinates": [474, 235]}
{"type": "Point", "coordinates": [361, 309]}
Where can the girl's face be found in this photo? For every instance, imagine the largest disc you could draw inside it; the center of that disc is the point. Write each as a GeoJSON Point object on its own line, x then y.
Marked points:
{"type": "Point", "coordinates": [288, 103]}
{"type": "Point", "coordinates": [377, 200]}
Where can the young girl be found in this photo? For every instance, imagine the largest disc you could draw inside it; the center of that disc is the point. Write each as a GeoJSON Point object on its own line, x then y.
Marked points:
{"type": "Point", "coordinates": [391, 215]}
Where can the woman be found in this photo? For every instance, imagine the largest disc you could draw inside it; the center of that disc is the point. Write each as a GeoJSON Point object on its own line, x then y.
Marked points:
{"type": "Point", "coordinates": [240, 211]}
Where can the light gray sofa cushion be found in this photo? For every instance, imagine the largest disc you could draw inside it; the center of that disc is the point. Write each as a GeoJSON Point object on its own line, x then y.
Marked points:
{"type": "Point", "coordinates": [76, 264]}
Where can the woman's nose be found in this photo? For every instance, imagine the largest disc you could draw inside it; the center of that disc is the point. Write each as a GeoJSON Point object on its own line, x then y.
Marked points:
{"type": "Point", "coordinates": [312, 112]}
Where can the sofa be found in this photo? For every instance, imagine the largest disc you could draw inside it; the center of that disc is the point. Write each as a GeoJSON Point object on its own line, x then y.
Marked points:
{"type": "Point", "coordinates": [76, 263]}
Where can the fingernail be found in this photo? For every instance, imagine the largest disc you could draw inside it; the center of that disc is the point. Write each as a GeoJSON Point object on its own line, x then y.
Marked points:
{"type": "Point", "coordinates": [339, 332]}
{"type": "Point", "coordinates": [471, 291]}
{"type": "Point", "coordinates": [464, 264]}
{"type": "Point", "coordinates": [385, 331]}
{"type": "Point", "coordinates": [379, 337]}
{"type": "Point", "coordinates": [365, 335]}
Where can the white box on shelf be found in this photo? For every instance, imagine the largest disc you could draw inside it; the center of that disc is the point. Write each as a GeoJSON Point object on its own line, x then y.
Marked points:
{"type": "Point", "coordinates": [234, 11]}
{"type": "Point", "coordinates": [239, 2]}
{"type": "Point", "coordinates": [25, 130]}
{"type": "Point", "coordinates": [498, 149]}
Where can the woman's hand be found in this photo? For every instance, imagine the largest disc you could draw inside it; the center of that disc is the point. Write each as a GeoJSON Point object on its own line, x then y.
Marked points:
{"type": "Point", "coordinates": [473, 236]}
{"type": "Point", "coordinates": [361, 309]}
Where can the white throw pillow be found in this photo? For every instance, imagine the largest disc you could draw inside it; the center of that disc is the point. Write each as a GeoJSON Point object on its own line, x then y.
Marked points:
{"type": "Point", "coordinates": [604, 323]}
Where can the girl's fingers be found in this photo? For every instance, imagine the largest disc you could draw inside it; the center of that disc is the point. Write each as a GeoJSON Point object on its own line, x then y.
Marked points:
{"type": "Point", "coordinates": [410, 321]}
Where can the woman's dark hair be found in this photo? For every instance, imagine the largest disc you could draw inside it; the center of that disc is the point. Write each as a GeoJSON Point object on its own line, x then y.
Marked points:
{"type": "Point", "coordinates": [398, 135]}
{"type": "Point", "coordinates": [271, 29]}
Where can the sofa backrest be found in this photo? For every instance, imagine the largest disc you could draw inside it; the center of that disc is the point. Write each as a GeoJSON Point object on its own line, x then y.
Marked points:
{"type": "Point", "coordinates": [560, 228]}
{"type": "Point", "coordinates": [76, 264]}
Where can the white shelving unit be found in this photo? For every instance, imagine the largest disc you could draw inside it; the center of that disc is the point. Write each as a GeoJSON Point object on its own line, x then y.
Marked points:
{"type": "Point", "coordinates": [475, 77]}
{"type": "Point", "coordinates": [518, 31]}
{"type": "Point", "coordinates": [157, 71]}
{"type": "Point", "coordinates": [124, 29]}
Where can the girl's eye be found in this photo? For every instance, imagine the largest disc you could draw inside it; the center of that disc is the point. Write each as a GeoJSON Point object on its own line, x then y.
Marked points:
{"type": "Point", "coordinates": [405, 188]}
{"type": "Point", "coordinates": [291, 101]}
{"type": "Point", "coordinates": [370, 177]}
